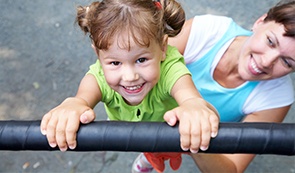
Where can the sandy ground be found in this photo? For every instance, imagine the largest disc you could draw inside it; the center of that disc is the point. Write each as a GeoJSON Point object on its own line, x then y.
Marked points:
{"type": "Point", "coordinates": [43, 56]}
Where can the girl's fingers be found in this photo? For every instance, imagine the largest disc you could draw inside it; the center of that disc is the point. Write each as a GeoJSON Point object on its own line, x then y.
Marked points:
{"type": "Point", "coordinates": [71, 132]}
{"type": "Point", "coordinates": [51, 132]}
{"type": "Point", "coordinates": [185, 134]}
{"type": "Point", "coordinates": [171, 118]}
{"type": "Point", "coordinates": [214, 121]}
{"type": "Point", "coordinates": [61, 134]}
{"type": "Point", "coordinates": [87, 116]}
{"type": "Point", "coordinates": [195, 138]}
{"type": "Point", "coordinates": [44, 122]}
{"type": "Point", "coordinates": [206, 135]}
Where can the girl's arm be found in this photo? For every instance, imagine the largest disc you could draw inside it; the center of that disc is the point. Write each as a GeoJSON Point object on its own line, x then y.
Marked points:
{"type": "Point", "coordinates": [61, 124]}
{"type": "Point", "coordinates": [198, 120]}
{"type": "Point", "coordinates": [89, 90]}
{"type": "Point", "coordinates": [238, 162]}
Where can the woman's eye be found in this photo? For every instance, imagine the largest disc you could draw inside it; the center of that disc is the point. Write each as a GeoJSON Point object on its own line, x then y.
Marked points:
{"type": "Point", "coordinates": [286, 62]}
{"type": "Point", "coordinates": [270, 42]}
{"type": "Point", "coordinates": [141, 60]}
{"type": "Point", "coordinates": [115, 63]}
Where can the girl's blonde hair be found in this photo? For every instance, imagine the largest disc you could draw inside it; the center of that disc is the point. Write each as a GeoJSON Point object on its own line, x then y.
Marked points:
{"type": "Point", "coordinates": [142, 20]}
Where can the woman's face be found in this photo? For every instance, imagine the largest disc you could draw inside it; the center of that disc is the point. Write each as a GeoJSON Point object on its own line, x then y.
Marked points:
{"type": "Point", "coordinates": [267, 54]}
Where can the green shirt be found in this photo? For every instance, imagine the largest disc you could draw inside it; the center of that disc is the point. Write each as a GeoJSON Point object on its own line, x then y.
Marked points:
{"type": "Point", "coordinates": [157, 101]}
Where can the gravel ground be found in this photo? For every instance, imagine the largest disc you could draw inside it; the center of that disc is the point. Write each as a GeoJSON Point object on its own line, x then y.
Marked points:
{"type": "Point", "coordinates": [43, 56]}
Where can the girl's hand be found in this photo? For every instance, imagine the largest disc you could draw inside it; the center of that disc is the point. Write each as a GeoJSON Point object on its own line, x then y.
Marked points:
{"type": "Point", "coordinates": [61, 124]}
{"type": "Point", "coordinates": [198, 122]}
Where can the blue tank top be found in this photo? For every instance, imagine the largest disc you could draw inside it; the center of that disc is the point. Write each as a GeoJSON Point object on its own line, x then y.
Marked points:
{"type": "Point", "coordinates": [228, 102]}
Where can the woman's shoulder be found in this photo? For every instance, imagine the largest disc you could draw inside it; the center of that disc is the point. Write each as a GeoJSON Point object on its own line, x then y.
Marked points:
{"type": "Point", "coordinates": [279, 87]}
{"type": "Point", "coordinates": [209, 26]}
{"type": "Point", "coordinates": [206, 31]}
{"type": "Point", "coordinates": [270, 94]}
{"type": "Point", "coordinates": [284, 82]}
{"type": "Point", "coordinates": [211, 18]}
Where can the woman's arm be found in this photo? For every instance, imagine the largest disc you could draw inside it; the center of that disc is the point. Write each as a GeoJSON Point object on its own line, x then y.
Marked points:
{"type": "Point", "coordinates": [238, 162]}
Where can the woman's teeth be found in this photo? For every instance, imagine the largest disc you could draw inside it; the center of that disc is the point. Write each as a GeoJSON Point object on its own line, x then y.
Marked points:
{"type": "Point", "coordinates": [255, 67]}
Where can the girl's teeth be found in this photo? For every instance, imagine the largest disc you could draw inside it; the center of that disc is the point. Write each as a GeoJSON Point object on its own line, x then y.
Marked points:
{"type": "Point", "coordinates": [255, 67]}
{"type": "Point", "coordinates": [133, 87]}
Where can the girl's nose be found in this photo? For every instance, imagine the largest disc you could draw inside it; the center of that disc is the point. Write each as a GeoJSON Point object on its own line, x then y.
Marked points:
{"type": "Point", "coordinates": [130, 75]}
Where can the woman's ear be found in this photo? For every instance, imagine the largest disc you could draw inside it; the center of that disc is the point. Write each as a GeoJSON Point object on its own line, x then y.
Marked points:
{"type": "Point", "coordinates": [259, 21]}
{"type": "Point", "coordinates": [164, 46]}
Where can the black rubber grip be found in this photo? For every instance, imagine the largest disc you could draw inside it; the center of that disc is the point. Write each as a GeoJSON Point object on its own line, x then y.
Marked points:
{"type": "Point", "coordinates": [254, 138]}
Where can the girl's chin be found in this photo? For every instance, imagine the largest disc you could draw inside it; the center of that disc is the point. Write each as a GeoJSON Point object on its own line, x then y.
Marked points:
{"type": "Point", "coordinates": [133, 99]}
{"type": "Point", "coordinates": [133, 102]}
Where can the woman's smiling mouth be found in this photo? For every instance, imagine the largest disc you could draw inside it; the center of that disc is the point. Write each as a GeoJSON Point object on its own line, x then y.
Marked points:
{"type": "Point", "coordinates": [253, 68]}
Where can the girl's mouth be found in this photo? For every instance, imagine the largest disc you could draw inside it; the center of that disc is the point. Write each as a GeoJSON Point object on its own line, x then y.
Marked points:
{"type": "Point", "coordinates": [133, 89]}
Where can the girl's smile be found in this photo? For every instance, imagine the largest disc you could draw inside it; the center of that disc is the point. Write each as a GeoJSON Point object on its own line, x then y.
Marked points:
{"type": "Point", "coordinates": [132, 70]}
{"type": "Point", "coordinates": [133, 89]}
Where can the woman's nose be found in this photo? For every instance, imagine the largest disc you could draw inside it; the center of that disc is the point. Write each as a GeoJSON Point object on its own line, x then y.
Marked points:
{"type": "Point", "coordinates": [269, 59]}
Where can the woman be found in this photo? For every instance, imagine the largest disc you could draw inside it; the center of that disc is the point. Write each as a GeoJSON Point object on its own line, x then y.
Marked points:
{"type": "Point", "coordinates": [243, 74]}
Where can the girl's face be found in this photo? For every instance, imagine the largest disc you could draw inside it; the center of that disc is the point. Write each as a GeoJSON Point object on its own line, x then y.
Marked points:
{"type": "Point", "coordinates": [132, 73]}
{"type": "Point", "coordinates": [267, 54]}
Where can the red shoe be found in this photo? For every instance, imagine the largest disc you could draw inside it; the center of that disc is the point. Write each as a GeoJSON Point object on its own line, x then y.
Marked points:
{"type": "Point", "coordinates": [141, 165]}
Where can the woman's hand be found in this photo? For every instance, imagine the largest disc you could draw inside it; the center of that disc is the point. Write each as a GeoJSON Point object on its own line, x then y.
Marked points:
{"type": "Point", "coordinates": [60, 125]}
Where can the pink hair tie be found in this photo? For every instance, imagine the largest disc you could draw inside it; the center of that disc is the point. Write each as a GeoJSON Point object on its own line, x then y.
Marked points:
{"type": "Point", "coordinates": [158, 5]}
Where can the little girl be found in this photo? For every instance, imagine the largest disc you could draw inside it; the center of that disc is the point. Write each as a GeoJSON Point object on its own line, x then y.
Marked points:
{"type": "Point", "coordinates": [137, 75]}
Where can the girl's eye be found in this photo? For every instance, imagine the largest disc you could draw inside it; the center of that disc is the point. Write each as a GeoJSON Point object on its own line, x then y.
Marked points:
{"type": "Point", "coordinates": [116, 63]}
{"type": "Point", "coordinates": [141, 60]}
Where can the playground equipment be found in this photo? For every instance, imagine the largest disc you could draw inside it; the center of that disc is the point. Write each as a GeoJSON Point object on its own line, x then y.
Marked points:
{"type": "Point", "coordinates": [255, 138]}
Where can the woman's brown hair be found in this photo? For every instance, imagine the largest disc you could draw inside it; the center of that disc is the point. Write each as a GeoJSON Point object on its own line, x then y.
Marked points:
{"type": "Point", "coordinates": [284, 13]}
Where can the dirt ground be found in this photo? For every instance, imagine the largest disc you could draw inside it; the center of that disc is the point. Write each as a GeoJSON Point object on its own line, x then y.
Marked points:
{"type": "Point", "coordinates": [43, 56]}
